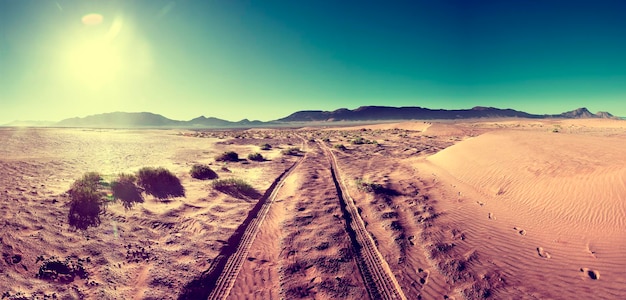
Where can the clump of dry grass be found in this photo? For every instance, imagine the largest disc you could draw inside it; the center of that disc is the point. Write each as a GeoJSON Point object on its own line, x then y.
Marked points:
{"type": "Point", "coordinates": [228, 156]}
{"type": "Point", "coordinates": [160, 183]}
{"type": "Point", "coordinates": [237, 188]}
{"type": "Point", "coordinates": [256, 157]}
{"type": "Point", "coordinates": [125, 189]}
{"type": "Point", "coordinates": [294, 151]}
{"type": "Point", "coordinates": [200, 171]}
{"type": "Point", "coordinates": [87, 200]}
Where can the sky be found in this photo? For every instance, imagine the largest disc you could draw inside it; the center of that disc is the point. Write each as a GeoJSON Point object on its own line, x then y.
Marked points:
{"type": "Point", "coordinates": [266, 59]}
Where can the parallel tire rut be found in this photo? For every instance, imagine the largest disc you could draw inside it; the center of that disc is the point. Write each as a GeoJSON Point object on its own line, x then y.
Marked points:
{"type": "Point", "coordinates": [219, 279]}
{"type": "Point", "coordinates": [379, 281]}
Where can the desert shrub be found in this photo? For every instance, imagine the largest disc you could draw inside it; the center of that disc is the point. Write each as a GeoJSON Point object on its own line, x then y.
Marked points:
{"type": "Point", "coordinates": [265, 146]}
{"type": "Point", "coordinates": [237, 188]}
{"type": "Point", "coordinates": [125, 189]}
{"type": "Point", "coordinates": [361, 141]}
{"type": "Point", "coordinates": [200, 171]}
{"type": "Point", "coordinates": [298, 292]}
{"type": "Point", "coordinates": [54, 269]}
{"type": "Point", "coordinates": [358, 141]}
{"type": "Point", "coordinates": [256, 157]}
{"type": "Point", "coordinates": [370, 187]}
{"type": "Point", "coordinates": [295, 151]}
{"type": "Point", "coordinates": [87, 198]}
{"type": "Point", "coordinates": [340, 147]}
{"type": "Point", "coordinates": [160, 183]}
{"type": "Point", "coordinates": [228, 156]}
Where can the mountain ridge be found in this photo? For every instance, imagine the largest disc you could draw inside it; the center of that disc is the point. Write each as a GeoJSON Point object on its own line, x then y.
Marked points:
{"type": "Point", "coordinates": [362, 113]}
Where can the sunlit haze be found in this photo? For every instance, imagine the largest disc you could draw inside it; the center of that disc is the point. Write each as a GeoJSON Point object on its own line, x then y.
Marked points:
{"type": "Point", "coordinates": [265, 60]}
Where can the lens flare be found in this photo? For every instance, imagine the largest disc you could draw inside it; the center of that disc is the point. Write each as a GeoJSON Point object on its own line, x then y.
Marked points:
{"type": "Point", "coordinates": [92, 19]}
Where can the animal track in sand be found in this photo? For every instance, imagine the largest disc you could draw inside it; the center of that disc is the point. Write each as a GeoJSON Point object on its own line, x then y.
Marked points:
{"type": "Point", "coordinates": [543, 253]}
{"type": "Point", "coordinates": [520, 231]}
{"type": "Point", "coordinates": [591, 252]}
{"type": "Point", "coordinates": [595, 275]}
{"type": "Point", "coordinates": [424, 274]}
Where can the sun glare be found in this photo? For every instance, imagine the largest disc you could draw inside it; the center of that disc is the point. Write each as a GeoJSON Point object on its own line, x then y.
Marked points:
{"type": "Point", "coordinates": [95, 60]}
{"type": "Point", "coordinates": [95, 63]}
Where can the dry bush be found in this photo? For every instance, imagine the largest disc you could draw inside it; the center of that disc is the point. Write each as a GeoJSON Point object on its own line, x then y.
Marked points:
{"type": "Point", "coordinates": [228, 156]}
{"type": "Point", "coordinates": [160, 183]}
{"type": "Point", "coordinates": [256, 157]}
{"type": "Point", "coordinates": [295, 151]}
{"type": "Point", "coordinates": [202, 172]}
{"type": "Point", "coordinates": [54, 269]}
{"type": "Point", "coordinates": [376, 188]}
{"type": "Point", "coordinates": [87, 198]}
{"type": "Point", "coordinates": [340, 147]}
{"type": "Point", "coordinates": [125, 189]}
{"type": "Point", "coordinates": [236, 188]}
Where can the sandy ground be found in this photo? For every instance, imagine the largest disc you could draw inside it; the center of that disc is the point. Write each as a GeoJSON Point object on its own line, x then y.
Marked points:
{"type": "Point", "coordinates": [502, 209]}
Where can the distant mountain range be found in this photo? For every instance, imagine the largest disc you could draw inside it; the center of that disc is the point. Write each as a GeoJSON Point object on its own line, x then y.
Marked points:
{"type": "Point", "coordinates": [363, 113]}
{"type": "Point", "coordinates": [151, 120]}
{"type": "Point", "coordinates": [372, 113]}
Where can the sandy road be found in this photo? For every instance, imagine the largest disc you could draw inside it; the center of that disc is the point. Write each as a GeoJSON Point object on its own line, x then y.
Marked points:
{"type": "Point", "coordinates": [228, 276]}
{"type": "Point", "coordinates": [218, 280]}
{"type": "Point", "coordinates": [379, 280]}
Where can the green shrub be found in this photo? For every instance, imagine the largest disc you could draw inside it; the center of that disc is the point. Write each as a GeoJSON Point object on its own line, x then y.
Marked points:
{"type": "Point", "coordinates": [379, 189]}
{"type": "Point", "coordinates": [368, 187]}
{"type": "Point", "coordinates": [87, 198]}
{"type": "Point", "coordinates": [361, 141]}
{"type": "Point", "coordinates": [358, 141]}
{"type": "Point", "coordinates": [340, 147]}
{"type": "Point", "coordinates": [256, 157]}
{"type": "Point", "coordinates": [228, 156]}
{"type": "Point", "coordinates": [265, 146]}
{"type": "Point", "coordinates": [202, 172]}
{"type": "Point", "coordinates": [125, 189]}
{"type": "Point", "coordinates": [160, 183]}
{"type": "Point", "coordinates": [295, 151]}
{"type": "Point", "coordinates": [236, 188]}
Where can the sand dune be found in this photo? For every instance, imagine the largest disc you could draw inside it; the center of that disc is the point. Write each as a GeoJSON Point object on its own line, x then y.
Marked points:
{"type": "Point", "coordinates": [545, 209]}
{"type": "Point", "coordinates": [551, 177]}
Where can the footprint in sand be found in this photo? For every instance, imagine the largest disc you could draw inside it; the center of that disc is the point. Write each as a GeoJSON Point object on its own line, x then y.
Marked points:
{"type": "Point", "coordinates": [424, 274]}
{"type": "Point", "coordinates": [595, 275]}
{"type": "Point", "coordinates": [591, 252]}
{"type": "Point", "coordinates": [520, 231]}
{"type": "Point", "coordinates": [543, 253]}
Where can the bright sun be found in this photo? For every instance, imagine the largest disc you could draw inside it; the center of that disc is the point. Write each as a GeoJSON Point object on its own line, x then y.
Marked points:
{"type": "Point", "coordinates": [95, 60]}
{"type": "Point", "coordinates": [94, 63]}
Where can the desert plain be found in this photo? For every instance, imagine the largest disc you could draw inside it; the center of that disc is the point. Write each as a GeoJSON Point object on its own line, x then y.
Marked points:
{"type": "Point", "coordinates": [502, 209]}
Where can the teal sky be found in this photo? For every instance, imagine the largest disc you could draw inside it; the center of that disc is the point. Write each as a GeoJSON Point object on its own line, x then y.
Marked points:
{"type": "Point", "coordinates": [266, 59]}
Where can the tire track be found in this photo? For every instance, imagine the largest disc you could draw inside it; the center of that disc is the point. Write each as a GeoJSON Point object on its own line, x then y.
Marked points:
{"type": "Point", "coordinates": [218, 280]}
{"type": "Point", "coordinates": [379, 281]}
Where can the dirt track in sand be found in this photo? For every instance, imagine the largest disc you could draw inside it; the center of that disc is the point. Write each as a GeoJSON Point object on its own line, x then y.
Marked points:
{"type": "Point", "coordinates": [457, 217]}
